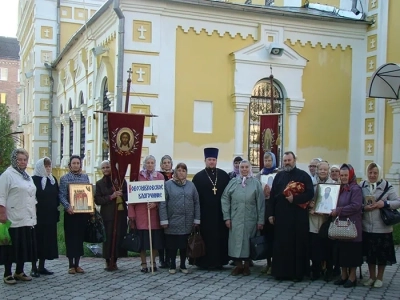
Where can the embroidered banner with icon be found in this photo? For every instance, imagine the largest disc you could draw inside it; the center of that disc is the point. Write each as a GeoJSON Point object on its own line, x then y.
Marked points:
{"type": "Point", "coordinates": [125, 137]}
{"type": "Point", "coordinates": [269, 136]}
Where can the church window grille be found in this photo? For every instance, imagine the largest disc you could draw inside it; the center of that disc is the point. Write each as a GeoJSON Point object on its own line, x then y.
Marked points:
{"type": "Point", "coordinates": [106, 107]}
{"type": "Point", "coordinates": [260, 103]}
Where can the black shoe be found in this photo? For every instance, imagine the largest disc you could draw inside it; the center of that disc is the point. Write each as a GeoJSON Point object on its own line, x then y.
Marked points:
{"type": "Point", "coordinates": [349, 283]}
{"type": "Point", "coordinates": [298, 279]}
{"type": "Point", "coordinates": [315, 277]}
{"type": "Point", "coordinates": [44, 271]}
{"type": "Point", "coordinates": [163, 265]}
{"type": "Point", "coordinates": [340, 281]}
{"type": "Point", "coordinates": [35, 274]}
{"type": "Point", "coordinates": [328, 275]}
{"type": "Point", "coordinates": [251, 263]}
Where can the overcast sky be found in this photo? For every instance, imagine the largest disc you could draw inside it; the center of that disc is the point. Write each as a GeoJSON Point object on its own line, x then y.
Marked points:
{"type": "Point", "coordinates": [8, 17]}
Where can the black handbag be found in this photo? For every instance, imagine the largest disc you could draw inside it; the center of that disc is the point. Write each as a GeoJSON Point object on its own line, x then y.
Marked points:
{"type": "Point", "coordinates": [131, 241]}
{"type": "Point", "coordinates": [195, 246]}
{"type": "Point", "coordinates": [390, 216]}
{"type": "Point", "coordinates": [95, 232]}
{"type": "Point", "coordinates": [258, 247]}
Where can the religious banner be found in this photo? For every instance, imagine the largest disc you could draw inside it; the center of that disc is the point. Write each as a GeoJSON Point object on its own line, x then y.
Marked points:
{"type": "Point", "coordinates": [125, 136]}
{"type": "Point", "coordinates": [269, 136]}
{"type": "Point", "coordinates": [146, 191]}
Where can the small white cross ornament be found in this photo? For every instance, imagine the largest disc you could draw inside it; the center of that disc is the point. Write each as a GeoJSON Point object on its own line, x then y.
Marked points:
{"type": "Point", "coordinates": [142, 30]}
{"type": "Point", "coordinates": [369, 148]}
{"type": "Point", "coordinates": [45, 129]}
{"type": "Point", "coordinates": [46, 33]}
{"type": "Point", "coordinates": [373, 3]}
{"type": "Point", "coordinates": [140, 72]}
{"type": "Point", "coordinates": [371, 105]}
{"type": "Point", "coordinates": [371, 64]}
{"type": "Point", "coordinates": [370, 127]}
{"type": "Point", "coordinates": [372, 43]}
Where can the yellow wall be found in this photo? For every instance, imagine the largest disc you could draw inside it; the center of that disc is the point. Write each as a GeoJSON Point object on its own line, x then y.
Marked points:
{"type": "Point", "coordinates": [393, 55]}
{"type": "Point", "coordinates": [67, 30]}
{"type": "Point", "coordinates": [204, 71]}
{"type": "Point", "coordinates": [323, 124]}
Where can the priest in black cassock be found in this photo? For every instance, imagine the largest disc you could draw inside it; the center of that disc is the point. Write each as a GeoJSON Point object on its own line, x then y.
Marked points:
{"type": "Point", "coordinates": [289, 215]}
{"type": "Point", "coordinates": [210, 184]}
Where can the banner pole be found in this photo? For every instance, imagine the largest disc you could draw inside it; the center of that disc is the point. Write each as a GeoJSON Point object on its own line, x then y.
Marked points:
{"type": "Point", "coordinates": [151, 243]}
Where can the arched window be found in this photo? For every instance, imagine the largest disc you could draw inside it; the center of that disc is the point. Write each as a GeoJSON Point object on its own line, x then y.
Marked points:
{"type": "Point", "coordinates": [106, 107]}
{"type": "Point", "coordinates": [83, 129]}
{"type": "Point", "coordinates": [61, 136]}
{"type": "Point", "coordinates": [261, 102]}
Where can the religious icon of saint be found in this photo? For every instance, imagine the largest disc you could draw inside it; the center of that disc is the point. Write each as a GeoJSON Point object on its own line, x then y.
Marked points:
{"type": "Point", "coordinates": [268, 139]}
{"type": "Point", "coordinates": [327, 198]}
{"type": "Point", "coordinates": [124, 143]}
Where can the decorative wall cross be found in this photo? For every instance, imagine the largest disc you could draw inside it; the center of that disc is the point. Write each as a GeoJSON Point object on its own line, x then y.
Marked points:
{"type": "Point", "coordinates": [46, 33]}
{"type": "Point", "coordinates": [373, 3]}
{"type": "Point", "coordinates": [369, 148]}
{"type": "Point", "coordinates": [140, 72]}
{"type": "Point", "coordinates": [371, 105]}
{"type": "Point", "coordinates": [372, 42]}
{"type": "Point", "coordinates": [371, 64]}
{"type": "Point", "coordinates": [142, 30]}
{"type": "Point", "coordinates": [370, 127]}
{"type": "Point", "coordinates": [44, 152]}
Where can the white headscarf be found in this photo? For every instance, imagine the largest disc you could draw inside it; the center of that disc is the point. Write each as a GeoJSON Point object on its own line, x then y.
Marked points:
{"type": "Point", "coordinates": [40, 171]}
{"type": "Point", "coordinates": [250, 175]}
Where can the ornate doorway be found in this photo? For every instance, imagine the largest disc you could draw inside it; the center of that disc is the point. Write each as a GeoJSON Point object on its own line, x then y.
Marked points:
{"type": "Point", "coordinates": [261, 102]}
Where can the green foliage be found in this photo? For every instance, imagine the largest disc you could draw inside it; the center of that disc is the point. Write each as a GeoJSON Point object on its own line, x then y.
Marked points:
{"type": "Point", "coordinates": [6, 141]}
{"type": "Point", "coordinates": [396, 234]}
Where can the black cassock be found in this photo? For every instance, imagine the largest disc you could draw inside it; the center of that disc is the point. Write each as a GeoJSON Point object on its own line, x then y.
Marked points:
{"type": "Point", "coordinates": [212, 225]}
{"type": "Point", "coordinates": [290, 254]}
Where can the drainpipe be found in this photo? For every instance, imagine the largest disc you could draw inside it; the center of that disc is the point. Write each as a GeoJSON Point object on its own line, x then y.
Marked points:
{"type": "Point", "coordinates": [50, 143]}
{"type": "Point", "coordinates": [121, 46]}
{"type": "Point", "coordinates": [58, 28]}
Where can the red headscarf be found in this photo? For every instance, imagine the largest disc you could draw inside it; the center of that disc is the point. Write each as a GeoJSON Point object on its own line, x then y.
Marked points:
{"type": "Point", "coordinates": [352, 177]}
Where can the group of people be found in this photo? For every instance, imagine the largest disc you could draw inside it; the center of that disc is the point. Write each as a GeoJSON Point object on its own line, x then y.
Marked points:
{"type": "Point", "coordinates": [227, 208]}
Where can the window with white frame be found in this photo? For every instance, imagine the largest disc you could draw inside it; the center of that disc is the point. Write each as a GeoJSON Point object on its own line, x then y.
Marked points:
{"type": "Point", "coordinates": [3, 74]}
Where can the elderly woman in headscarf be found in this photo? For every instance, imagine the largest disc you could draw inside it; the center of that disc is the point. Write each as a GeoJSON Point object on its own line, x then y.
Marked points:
{"type": "Point", "coordinates": [47, 196]}
{"type": "Point", "coordinates": [138, 216]}
{"type": "Point", "coordinates": [166, 165]}
{"type": "Point", "coordinates": [349, 206]}
{"type": "Point", "coordinates": [334, 173]}
{"type": "Point", "coordinates": [243, 209]}
{"type": "Point", "coordinates": [74, 224]}
{"type": "Point", "coordinates": [319, 248]}
{"type": "Point", "coordinates": [378, 246]}
{"type": "Point", "coordinates": [236, 163]}
{"type": "Point", "coordinates": [268, 168]}
{"type": "Point", "coordinates": [113, 205]}
{"type": "Point", "coordinates": [17, 204]}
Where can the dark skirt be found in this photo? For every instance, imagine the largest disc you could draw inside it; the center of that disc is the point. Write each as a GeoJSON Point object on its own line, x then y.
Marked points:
{"type": "Point", "coordinates": [174, 241]}
{"type": "Point", "coordinates": [157, 239]}
{"type": "Point", "coordinates": [349, 254]}
{"type": "Point", "coordinates": [74, 229]}
{"type": "Point", "coordinates": [317, 247]}
{"type": "Point", "coordinates": [47, 244]}
{"type": "Point", "coordinates": [378, 249]}
{"type": "Point", "coordinates": [122, 228]}
{"type": "Point", "coordinates": [268, 232]}
{"type": "Point", "coordinates": [23, 248]}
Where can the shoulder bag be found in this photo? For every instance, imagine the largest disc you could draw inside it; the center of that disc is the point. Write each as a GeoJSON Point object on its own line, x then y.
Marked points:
{"type": "Point", "coordinates": [131, 241]}
{"type": "Point", "coordinates": [258, 247]}
{"type": "Point", "coordinates": [342, 230]}
{"type": "Point", "coordinates": [95, 231]}
{"type": "Point", "coordinates": [389, 216]}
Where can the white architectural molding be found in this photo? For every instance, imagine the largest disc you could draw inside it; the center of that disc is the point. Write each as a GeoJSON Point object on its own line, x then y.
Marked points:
{"type": "Point", "coordinates": [84, 110]}
{"type": "Point", "coordinates": [394, 172]}
{"type": "Point", "coordinates": [240, 105]}
{"type": "Point", "coordinates": [294, 107]}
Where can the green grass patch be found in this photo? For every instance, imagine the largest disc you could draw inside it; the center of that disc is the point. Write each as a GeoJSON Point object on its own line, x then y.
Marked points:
{"type": "Point", "coordinates": [396, 234]}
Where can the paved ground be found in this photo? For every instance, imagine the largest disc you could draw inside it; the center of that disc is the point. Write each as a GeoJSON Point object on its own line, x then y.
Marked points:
{"type": "Point", "coordinates": [129, 283]}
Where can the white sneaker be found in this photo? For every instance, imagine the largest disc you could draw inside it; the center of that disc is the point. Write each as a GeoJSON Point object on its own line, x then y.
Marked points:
{"type": "Point", "coordinates": [369, 282]}
{"type": "Point", "coordinates": [378, 283]}
{"type": "Point", "coordinates": [172, 271]}
{"type": "Point", "coordinates": [184, 270]}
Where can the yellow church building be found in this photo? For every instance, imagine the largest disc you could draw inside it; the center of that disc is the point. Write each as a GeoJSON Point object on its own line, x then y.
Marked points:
{"type": "Point", "coordinates": [203, 68]}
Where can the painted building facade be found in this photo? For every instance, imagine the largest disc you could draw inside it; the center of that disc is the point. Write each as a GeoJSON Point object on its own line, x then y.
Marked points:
{"type": "Point", "coordinates": [198, 66]}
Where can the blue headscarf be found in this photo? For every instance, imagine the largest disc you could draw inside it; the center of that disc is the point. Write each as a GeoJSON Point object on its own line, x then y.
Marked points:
{"type": "Point", "coordinates": [267, 171]}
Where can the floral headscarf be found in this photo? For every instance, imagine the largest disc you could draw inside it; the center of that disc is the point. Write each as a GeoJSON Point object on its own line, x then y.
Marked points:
{"type": "Point", "coordinates": [149, 175]}
{"type": "Point", "coordinates": [40, 171]}
{"type": "Point", "coordinates": [250, 175]}
{"type": "Point", "coordinates": [14, 163]}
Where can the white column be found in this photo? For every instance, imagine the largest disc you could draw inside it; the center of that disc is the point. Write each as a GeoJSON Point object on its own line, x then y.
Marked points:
{"type": "Point", "coordinates": [98, 134]}
{"type": "Point", "coordinates": [66, 155]}
{"type": "Point", "coordinates": [294, 107]}
{"type": "Point", "coordinates": [241, 103]}
{"type": "Point", "coordinates": [394, 171]}
{"type": "Point", "coordinates": [75, 115]}
{"type": "Point", "coordinates": [57, 122]}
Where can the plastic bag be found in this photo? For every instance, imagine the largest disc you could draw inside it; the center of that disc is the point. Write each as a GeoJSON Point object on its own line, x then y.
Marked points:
{"type": "Point", "coordinates": [5, 239]}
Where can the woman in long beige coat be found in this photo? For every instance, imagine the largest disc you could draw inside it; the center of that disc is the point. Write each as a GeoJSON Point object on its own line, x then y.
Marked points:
{"type": "Point", "coordinates": [243, 207]}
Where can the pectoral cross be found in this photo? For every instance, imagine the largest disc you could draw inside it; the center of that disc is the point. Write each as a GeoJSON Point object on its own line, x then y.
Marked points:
{"type": "Point", "coordinates": [215, 190]}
